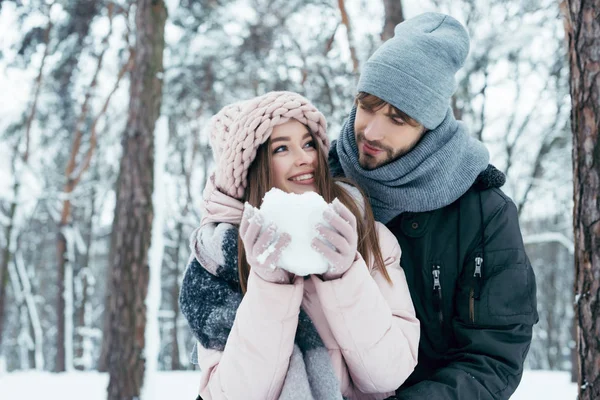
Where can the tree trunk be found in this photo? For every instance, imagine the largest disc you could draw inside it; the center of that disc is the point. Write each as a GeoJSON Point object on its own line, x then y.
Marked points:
{"type": "Point", "coordinates": [84, 307]}
{"type": "Point", "coordinates": [393, 16]}
{"type": "Point", "coordinates": [6, 256]}
{"type": "Point", "coordinates": [582, 27]}
{"type": "Point", "coordinates": [175, 364]}
{"type": "Point", "coordinates": [574, 358]}
{"type": "Point", "coordinates": [61, 254]}
{"type": "Point", "coordinates": [106, 339]}
{"type": "Point", "coordinates": [351, 46]}
{"type": "Point", "coordinates": [132, 227]}
{"type": "Point", "coordinates": [175, 360]}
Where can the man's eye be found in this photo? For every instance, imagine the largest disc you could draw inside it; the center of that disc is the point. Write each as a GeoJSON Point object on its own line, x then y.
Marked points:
{"type": "Point", "coordinates": [365, 109]}
{"type": "Point", "coordinates": [398, 122]}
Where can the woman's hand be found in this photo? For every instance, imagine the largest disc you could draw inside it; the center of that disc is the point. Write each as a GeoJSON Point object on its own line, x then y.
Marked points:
{"type": "Point", "coordinates": [341, 235]}
{"type": "Point", "coordinates": [263, 246]}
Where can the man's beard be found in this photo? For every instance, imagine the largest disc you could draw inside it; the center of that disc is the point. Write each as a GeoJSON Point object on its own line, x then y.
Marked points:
{"type": "Point", "coordinates": [368, 162]}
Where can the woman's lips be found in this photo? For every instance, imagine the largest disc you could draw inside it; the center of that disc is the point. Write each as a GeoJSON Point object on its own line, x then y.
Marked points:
{"type": "Point", "coordinates": [305, 179]}
{"type": "Point", "coordinates": [305, 182]}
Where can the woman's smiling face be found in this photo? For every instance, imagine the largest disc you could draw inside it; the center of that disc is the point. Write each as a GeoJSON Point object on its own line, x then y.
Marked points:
{"type": "Point", "coordinates": [293, 158]}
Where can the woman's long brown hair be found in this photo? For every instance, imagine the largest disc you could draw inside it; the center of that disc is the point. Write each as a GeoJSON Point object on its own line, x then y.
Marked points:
{"type": "Point", "coordinates": [260, 182]}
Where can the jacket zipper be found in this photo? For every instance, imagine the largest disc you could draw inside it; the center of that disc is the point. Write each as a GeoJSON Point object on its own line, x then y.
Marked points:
{"type": "Point", "coordinates": [437, 292]}
{"type": "Point", "coordinates": [475, 291]}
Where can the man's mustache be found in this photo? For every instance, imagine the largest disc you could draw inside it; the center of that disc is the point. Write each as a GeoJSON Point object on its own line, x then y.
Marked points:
{"type": "Point", "coordinates": [361, 138]}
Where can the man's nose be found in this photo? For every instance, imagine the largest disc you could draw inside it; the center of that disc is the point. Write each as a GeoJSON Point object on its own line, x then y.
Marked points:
{"type": "Point", "coordinates": [374, 130]}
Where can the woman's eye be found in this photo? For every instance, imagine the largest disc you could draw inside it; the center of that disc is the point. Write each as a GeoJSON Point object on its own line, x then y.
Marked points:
{"type": "Point", "coordinates": [310, 144]}
{"type": "Point", "coordinates": [279, 149]}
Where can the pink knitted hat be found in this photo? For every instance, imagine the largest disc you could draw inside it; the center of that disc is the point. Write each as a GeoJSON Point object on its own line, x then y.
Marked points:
{"type": "Point", "coordinates": [239, 129]}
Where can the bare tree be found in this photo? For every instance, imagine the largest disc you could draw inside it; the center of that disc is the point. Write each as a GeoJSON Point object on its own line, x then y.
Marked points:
{"type": "Point", "coordinates": [85, 283]}
{"type": "Point", "coordinates": [22, 158]}
{"type": "Point", "coordinates": [186, 169]}
{"type": "Point", "coordinates": [551, 253]}
{"type": "Point", "coordinates": [73, 173]}
{"type": "Point", "coordinates": [393, 16]}
{"type": "Point", "coordinates": [582, 26]}
{"type": "Point", "coordinates": [351, 45]}
{"type": "Point", "coordinates": [132, 226]}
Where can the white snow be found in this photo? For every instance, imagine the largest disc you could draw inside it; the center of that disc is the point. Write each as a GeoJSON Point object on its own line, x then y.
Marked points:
{"type": "Point", "coordinates": [90, 385]}
{"type": "Point", "coordinates": [298, 215]}
{"type": "Point", "coordinates": [548, 385]}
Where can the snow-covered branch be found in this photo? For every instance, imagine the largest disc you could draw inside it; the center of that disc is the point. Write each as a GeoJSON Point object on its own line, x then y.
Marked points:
{"type": "Point", "coordinates": [550, 237]}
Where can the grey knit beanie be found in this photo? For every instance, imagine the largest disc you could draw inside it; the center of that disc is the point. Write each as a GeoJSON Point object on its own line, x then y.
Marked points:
{"type": "Point", "coordinates": [414, 71]}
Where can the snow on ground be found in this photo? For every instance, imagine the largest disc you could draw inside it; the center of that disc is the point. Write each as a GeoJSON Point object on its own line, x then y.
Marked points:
{"type": "Point", "coordinates": [545, 385]}
{"type": "Point", "coordinates": [184, 385]}
{"type": "Point", "coordinates": [89, 386]}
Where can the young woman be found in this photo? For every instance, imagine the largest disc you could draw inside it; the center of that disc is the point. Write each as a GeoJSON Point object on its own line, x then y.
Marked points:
{"type": "Point", "coordinates": [264, 333]}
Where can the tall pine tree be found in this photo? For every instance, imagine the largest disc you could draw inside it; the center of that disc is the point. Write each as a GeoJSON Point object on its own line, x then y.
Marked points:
{"type": "Point", "coordinates": [582, 26]}
{"type": "Point", "coordinates": [132, 226]}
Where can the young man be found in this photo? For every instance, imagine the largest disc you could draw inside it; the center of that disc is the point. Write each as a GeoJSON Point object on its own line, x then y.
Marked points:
{"type": "Point", "coordinates": [429, 181]}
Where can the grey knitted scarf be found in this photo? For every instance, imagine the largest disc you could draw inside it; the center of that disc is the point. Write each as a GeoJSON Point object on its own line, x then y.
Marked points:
{"type": "Point", "coordinates": [210, 297]}
{"type": "Point", "coordinates": [440, 169]}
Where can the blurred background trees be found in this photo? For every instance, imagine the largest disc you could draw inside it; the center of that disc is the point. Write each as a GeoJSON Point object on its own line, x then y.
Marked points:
{"type": "Point", "coordinates": [65, 72]}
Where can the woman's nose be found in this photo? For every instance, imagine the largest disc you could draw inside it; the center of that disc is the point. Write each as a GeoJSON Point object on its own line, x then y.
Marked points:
{"type": "Point", "coordinates": [303, 157]}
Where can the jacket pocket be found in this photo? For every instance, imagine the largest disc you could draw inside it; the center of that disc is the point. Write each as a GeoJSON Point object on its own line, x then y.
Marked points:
{"type": "Point", "coordinates": [504, 295]}
{"type": "Point", "coordinates": [510, 293]}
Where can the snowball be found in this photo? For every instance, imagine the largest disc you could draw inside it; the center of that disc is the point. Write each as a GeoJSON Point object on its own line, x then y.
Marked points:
{"type": "Point", "coordinates": [298, 215]}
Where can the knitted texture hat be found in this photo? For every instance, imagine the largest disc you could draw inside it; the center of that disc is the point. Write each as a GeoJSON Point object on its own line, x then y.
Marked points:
{"type": "Point", "coordinates": [239, 129]}
{"type": "Point", "coordinates": [414, 71]}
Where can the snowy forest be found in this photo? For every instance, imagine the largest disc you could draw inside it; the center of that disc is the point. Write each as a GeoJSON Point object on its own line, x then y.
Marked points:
{"type": "Point", "coordinates": [68, 69]}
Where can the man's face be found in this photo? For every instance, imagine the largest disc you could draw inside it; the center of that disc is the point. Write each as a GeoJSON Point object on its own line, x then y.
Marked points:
{"type": "Point", "coordinates": [382, 136]}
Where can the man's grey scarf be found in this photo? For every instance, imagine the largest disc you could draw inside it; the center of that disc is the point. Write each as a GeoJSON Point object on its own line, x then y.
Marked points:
{"type": "Point", "coordinates": [209, 300]}
{"type": "Point", "coordinates": [440, 169]}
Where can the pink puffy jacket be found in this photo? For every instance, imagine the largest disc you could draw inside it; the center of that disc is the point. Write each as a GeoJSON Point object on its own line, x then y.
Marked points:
{"type": "Point", "coordinates": [368, 326]}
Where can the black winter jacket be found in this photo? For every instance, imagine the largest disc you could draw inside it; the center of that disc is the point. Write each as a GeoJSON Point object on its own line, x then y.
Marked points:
{"type": "Point", "coordinates": [474, 292]}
